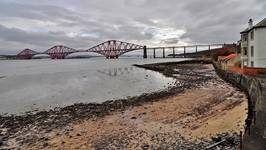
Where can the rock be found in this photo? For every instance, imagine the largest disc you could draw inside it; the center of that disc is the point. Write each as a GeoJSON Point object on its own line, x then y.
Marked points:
{"type": "Point", "coordinates": [133, 117]}
{"type": "Point", "coordinates": [145, 146]}
{"type": "Point", "coordinates": [45, 144]}
{"type": "Point", "coordinates": [1, 140]}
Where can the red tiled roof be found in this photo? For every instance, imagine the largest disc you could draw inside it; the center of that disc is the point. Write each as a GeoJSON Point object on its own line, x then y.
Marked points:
{"type": "Point", "coordinates": [231, 56]}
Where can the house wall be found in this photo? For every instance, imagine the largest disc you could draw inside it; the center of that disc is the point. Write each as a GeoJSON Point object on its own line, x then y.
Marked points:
{"type": "Point", "coordinates": [251, 43]}
{"type": "Point", "coordinates": [259, 47]}
{"type": "Point", "coordinates": [244, 44]}
{"type": "Point", "coordinates": [259, 44]}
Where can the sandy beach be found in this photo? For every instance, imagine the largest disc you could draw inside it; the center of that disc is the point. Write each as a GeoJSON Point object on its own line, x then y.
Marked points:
{"type": "Point", "coordinates": [206, 109]}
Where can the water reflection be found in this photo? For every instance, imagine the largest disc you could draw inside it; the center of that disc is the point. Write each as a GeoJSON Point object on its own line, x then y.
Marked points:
{"type": "Point", "coordinates": [45, 84]}
{"type": "Point", "coordinates": [113, 72]}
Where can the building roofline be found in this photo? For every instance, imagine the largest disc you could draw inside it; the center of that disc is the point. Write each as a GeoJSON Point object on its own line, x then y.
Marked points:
{"type": "Point", "coordinates": [261, 24]}
{"type": "Point", "coordinates": [248, 30]}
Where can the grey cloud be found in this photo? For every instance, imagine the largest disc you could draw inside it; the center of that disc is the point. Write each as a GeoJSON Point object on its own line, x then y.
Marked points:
{"type": "Point", "coordinates": [208, 21]}
{"type": "Point", "coordinates": [219, 21]}
{"type": "Point", "coordinates": [36, 12]}
{"type": "Point", "coordinates": [170, 41]}
{"type": "Point", "coordinates": [41, 41]}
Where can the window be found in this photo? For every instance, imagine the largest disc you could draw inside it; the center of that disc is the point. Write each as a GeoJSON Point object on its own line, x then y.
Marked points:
{"type": "Point", "coordinates": [244, 37]}
{"type": "Point", "coordinates": [245, 51]}
{"type": "Point", "coordinates": [245, 63]}
{"type": "Point", "coordinates": [252, 64]}
{"type": "Point", "coordinates": [252, 51]}
{"type": "Point", "coordinates": [252, 35]}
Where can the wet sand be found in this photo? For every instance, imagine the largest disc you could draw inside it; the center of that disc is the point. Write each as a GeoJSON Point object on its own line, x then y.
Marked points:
{"type": "Point", "coordinates": [189, 119]}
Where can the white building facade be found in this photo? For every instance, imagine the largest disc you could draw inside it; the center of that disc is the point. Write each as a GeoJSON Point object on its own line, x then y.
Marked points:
{"type": "Point", "coordinates": [253, 45]}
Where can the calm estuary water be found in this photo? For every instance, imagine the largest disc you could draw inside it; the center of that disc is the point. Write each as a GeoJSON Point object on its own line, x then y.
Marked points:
{"type": "Point", "coordinates": [27, 85]}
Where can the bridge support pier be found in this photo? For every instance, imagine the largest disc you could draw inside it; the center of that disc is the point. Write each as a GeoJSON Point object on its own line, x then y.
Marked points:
{"type": "Point", "coordinates": [209, 47]}
{"type": "Point", "coordinates": [185, 52]}
{"type": "Point", "coordinates": [144, 52]}
{"type": "Point", "coordinates": [173, 52]}
{"type": "Point", "coordinates": [163, 53]}
{"type": "Point", "coordinates": [112, 57]}
{"type": "Point", "coordinates": [154, 54]}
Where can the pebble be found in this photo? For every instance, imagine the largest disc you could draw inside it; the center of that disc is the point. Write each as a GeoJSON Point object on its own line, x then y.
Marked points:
{"type": "Point", "coordinates": [45, 144]}
{"type": "Point", "coordinates": [133, 117]}
{"type": "Point", "coordinates": [1, 140]}
{"type": "Point", "coordinates": [145, 146]}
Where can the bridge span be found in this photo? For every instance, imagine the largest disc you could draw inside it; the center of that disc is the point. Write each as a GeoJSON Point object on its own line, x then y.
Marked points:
{"type": "Point", "coordinates": [112, 49]}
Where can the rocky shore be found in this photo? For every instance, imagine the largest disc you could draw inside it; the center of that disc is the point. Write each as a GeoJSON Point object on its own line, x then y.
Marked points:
{"type": "Point", "coordinates": [191, 115]}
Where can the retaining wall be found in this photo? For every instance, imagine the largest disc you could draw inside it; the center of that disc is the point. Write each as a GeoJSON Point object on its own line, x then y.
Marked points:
{"type": "Point", "coordinates": [255, 132]}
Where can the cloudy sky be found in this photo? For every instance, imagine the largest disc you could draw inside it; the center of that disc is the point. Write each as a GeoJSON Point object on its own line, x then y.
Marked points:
{"type": "Point", "coordinates": [41, 24]}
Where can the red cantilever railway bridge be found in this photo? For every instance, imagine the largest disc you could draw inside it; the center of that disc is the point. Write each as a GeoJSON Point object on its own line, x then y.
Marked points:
{"type": "Point", "coordinates": [109, 49]}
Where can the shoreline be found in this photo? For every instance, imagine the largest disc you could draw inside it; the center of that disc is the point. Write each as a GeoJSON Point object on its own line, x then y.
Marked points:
{"type": "Point", "coordinates": [119, 104]}
{"type": "Point", "coordinates": [47, 121]}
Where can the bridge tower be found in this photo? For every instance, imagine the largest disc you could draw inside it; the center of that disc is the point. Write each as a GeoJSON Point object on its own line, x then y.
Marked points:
{"type": "Point", "coordinates": [26, 54]}
{"type": "Point", "coordinates": [59, 52]}
{"type": "Point", "coordinates": [113, 49]}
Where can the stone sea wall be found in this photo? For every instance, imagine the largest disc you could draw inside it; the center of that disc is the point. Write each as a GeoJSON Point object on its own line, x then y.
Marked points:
{"type": "Point", "coordinates": [254, 137]}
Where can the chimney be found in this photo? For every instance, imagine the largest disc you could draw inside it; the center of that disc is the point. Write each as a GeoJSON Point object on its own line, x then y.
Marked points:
{"type": "Point", "coordinates": [250, 23]}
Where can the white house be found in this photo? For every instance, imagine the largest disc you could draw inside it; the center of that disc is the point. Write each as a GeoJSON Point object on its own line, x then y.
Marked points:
{"type": "Point", "coordinates": [253, 45]}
